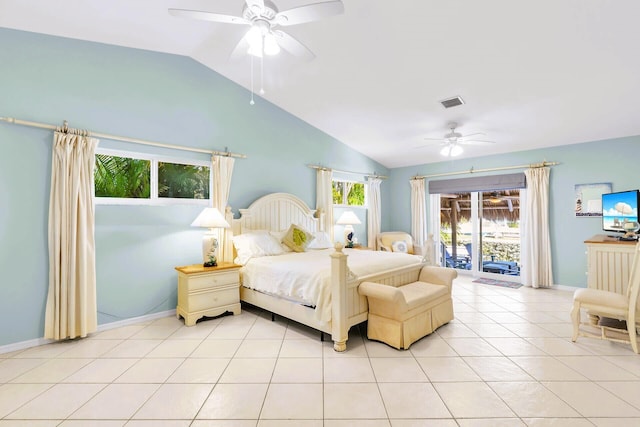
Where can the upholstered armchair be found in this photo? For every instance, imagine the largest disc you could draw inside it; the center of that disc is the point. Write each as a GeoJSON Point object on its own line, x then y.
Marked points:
{"type": "Point", "coordinates": [397, 241]}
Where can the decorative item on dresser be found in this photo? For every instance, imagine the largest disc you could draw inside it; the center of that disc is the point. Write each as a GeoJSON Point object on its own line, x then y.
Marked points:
{"type": "Point", "coordinates": [207, 291]}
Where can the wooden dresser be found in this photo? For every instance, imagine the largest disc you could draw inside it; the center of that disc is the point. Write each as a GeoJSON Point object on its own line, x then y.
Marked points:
{"type": "Point", "coordinates": [609, 263]}
{"type": "Point", "coordinates": [207, 291]}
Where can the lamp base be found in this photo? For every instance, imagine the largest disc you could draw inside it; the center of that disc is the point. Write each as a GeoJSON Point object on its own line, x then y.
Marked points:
{"type": "Point", "coordinates": [209, 249]}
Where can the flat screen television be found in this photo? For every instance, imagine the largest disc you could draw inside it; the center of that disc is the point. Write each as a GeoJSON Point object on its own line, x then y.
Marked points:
{"type": "Point", "coordinates": [619, 209]}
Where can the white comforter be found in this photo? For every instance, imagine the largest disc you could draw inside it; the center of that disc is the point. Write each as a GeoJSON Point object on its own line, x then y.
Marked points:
{"type": "Point", "coordinates": [304, 277]}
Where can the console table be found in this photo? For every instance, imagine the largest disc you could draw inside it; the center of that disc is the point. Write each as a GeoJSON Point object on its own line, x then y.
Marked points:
{"type": "Point", "coordinates": [609, 263]}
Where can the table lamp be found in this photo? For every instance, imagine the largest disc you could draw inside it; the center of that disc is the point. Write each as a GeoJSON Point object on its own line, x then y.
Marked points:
{"type": "Point", "coordinates": [212, 219]}
{"type": "Point", "coordinates": [348, 219]}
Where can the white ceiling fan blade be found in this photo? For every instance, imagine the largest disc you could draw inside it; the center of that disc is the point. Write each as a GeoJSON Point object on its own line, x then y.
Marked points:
{"type": "Point", "coordinates": [434, 139]}
{"type": "Point", "coordinates": [208, 16]}
{"type": "Point", "coordinates": [475, 141]}
{"type": "Point", "coordinates": [310, 12]}
{"type": "Point", "coordinates": [472, 134]}
{"type": "Point", "coordinates": [293, 46]}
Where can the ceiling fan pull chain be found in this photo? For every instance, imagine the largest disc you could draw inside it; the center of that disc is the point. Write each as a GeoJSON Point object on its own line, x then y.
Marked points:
{"type": "Point", "coordinates": [252, 102]}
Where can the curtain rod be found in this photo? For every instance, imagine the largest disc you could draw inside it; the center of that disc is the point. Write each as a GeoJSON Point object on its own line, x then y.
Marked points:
{"type": "Point", "coordinates": [472, 170]}
{"type": "Point", "coordinates": [368, 175]}
{"type": "Point", "coordinates": [122, 138]}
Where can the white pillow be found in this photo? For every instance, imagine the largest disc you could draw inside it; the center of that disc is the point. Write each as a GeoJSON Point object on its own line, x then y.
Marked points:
{"type": "Point", "coordinates": [253, 245]}
{"type": "Point", "coordinates": [399, 246]}
{"type": "Point", "coordinates": [321, 241]}
{"type": "Point", "coordinates": [279, 235]}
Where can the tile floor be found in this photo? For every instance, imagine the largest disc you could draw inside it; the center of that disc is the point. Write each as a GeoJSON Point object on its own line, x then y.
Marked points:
{"type": "Point", "coordinates": [506, 360]}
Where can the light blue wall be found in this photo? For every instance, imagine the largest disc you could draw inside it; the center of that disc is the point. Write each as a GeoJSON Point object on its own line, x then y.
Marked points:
{"type": "Point", "coordinates": [144, 95]}
{"type": "Point", "coordinates": [614, 161]}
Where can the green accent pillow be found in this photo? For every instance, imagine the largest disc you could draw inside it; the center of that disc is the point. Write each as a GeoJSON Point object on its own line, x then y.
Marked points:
{"type": "Point", "coordinates": [297, 238]}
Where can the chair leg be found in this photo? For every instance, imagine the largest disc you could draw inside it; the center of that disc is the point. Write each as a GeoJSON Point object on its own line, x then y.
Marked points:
{"type": "Point", "coordinates": [631, 328]}
{"type": "Point", "coordinates": [575, 317]}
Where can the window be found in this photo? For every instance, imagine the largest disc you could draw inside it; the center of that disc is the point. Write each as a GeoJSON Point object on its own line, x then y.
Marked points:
{"type": "Point", "coordinates": [133, 178]}
{"type": "Point", "coordinates": [348, 193]}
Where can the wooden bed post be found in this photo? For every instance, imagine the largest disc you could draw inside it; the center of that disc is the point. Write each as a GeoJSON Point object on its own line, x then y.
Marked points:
{"type": "Point", "coordinates": [339, 273]}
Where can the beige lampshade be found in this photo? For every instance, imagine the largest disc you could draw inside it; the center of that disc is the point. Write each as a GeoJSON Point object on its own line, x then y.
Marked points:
{"type": "Point", "coordinates": [348, 218]}
{"type": "Point", "coordinates": [210, 218]}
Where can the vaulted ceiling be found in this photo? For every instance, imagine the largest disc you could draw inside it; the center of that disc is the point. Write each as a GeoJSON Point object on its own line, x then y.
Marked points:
{"type": "Point", "coordinates": [532, 73]}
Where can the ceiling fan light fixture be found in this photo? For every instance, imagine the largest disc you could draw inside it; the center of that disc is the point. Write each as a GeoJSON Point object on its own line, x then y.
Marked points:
{"type": "Point", "coordinates": [451, 150]}
{"type": "Point", "coordinates": [271, 46]}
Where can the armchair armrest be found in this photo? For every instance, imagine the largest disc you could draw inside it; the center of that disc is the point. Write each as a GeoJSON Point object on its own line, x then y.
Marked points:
{"type": "Point", "coordinates": [438, 275]}
{"type": "Point", "coordinates": [380, 291]}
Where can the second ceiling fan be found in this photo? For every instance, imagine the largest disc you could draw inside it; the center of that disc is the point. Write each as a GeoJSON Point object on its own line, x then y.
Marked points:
{"type": "Point", "coordinates": [452, 141]}
{"type": "Point", "coordinates": [264, 18]}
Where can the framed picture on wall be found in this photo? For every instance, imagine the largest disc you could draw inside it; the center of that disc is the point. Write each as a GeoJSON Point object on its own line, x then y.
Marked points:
{"type": "Point", "coordinates": [589, 199]}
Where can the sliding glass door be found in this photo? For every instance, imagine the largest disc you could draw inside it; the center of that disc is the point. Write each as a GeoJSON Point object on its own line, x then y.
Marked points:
{"type": "Point", "coordinates": [480, 231]}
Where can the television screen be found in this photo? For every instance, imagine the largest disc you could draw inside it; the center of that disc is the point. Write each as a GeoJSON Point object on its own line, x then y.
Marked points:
{"type": "Point", "coordinates": [619, 209]}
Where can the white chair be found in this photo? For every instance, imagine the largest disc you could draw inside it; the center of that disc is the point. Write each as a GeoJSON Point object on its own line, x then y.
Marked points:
{"type": "Point", "coordinates": [610, 305]}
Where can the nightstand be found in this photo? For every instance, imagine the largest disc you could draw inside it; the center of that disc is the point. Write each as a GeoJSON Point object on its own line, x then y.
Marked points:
{"type": "Point", "coordinates": [207, 291]}
{"type": "Point", "coordinates": [361, 248]}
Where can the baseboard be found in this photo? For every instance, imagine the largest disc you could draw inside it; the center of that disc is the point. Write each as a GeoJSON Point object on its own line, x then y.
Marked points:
{"type": "Point", "coordinates": [23, 345]}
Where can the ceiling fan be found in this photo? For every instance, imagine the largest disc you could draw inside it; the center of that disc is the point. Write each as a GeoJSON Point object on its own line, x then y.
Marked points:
{"type": "Point", "coordinates": [452, 141]}
{"type": "Point", "coordinates": [264, 18]}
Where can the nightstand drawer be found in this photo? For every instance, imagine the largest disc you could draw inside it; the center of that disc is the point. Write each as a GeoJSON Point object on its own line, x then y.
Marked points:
{"type": "Point", "coordinates": [216, 298]}
{"type": "Point", "coordinates": [212, 280]}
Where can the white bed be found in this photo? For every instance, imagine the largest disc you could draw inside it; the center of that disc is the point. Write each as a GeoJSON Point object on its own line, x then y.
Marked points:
{"type": "Point", "coordinates": [330, 303]}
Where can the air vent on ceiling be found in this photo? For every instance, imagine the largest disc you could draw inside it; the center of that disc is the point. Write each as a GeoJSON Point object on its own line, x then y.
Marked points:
{"type": "Point", "coordinates": [452, 102]}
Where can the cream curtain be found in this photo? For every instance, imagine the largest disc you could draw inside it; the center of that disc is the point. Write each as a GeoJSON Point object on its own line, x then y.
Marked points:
{"type": "Point", "coordinates": [418, 212]}
{"type": "Point", "coordinates": [374, 211]}
{"type": "Point", "coordinates": [536, 243]}
{"type": "Point", "coordinates": [71, 309]}
{"type": "Point", "coordinates": [324, 198]}
{"type": "Point", "coordinates": [222, 172]}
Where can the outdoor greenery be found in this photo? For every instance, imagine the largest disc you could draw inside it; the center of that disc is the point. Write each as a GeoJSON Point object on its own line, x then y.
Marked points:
{"type": "Point", "coordinates": [125, 177]}
{"type": "Point", "coordinates": [183, 181]}
{"type": "Point", "coordinates": [354, 193]}
{"type": "Point", "coordinates": [122, 177]}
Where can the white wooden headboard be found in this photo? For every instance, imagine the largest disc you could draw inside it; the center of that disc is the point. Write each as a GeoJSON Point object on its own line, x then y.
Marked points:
{"type": "Point", "coordinates": [275, 212]}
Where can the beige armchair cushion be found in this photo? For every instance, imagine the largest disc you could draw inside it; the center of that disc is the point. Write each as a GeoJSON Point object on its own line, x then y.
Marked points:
{"type": "Point", "coordinates": [388, 238]}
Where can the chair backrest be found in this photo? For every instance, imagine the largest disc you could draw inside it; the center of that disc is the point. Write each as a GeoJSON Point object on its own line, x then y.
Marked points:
{"type": "Point", "coordinates": [388, 238]}
{"type": "Point", "coordinates": [633, 288]}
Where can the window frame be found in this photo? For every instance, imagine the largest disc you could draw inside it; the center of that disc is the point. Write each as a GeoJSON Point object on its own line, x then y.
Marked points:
{"type": "Point", "coordinates": [154, 200]}
{"type": "Point", "coordinates": [346, 196]}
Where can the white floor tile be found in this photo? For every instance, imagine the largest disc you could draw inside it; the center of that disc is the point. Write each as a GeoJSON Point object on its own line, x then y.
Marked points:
{"type": "Point", "coordinates": [199, 371]}
{"type": "Point", "coordinates": [497, 369]}
{"type": "Point", "coordinates": [58, 402]}
{"type": "Point", "coordinates": [353, 401]}
{"type": "Point", "coordinates": [302, 370]}
{"type": "Point", "coordinates": [394, 369]}
{"type": "Point", "coordinates": [248, 371]}
{"type": "Point", "coordinates": [293, 401]}
{"type": "Point", "coordinates": [150, 371]}
{"type": "Point", "coordinates": [591, 400]}
{"type": "Point", "coordinates": [472, 400]}
{"type": "Point", "coordinates": [439, 369]}
{"type": "Point", "coordinates": [531, 399]}
{"type": "Point", "coordinates": [116, 401]}
{"type": "Point", "coordinates": [234, 401]}
{"type": "Point", "coordinates": [175, 401]}
{"type": "Point", "coordinates": [348, 370]}
{"type": "Point", "coordinates": [412, 400]}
